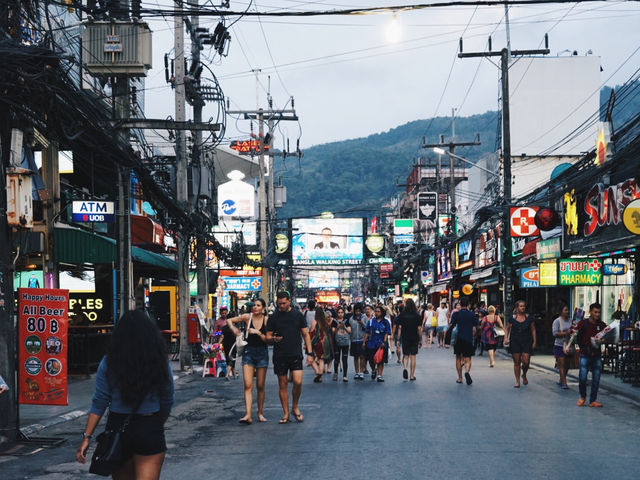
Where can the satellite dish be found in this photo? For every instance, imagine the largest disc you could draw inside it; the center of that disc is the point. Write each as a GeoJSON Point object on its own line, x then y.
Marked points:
{"type": "Point", "coordinates": [148, 209]}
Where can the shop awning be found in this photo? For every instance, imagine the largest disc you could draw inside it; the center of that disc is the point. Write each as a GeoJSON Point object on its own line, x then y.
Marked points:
{"type": "Point", "coordinates": [488, 281]}
{"type": "Point", "coordinates": [76, 246]}
{"type": "Point", "coordinates": [487, 272]}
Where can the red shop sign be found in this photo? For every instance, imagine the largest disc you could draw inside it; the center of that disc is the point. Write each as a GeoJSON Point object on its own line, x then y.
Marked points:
{"type": "Point", "coordinates": [42, 333]}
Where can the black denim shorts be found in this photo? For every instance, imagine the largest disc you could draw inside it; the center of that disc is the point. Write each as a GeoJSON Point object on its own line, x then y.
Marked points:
{"type": "Point", "coordinates": [143, 436]}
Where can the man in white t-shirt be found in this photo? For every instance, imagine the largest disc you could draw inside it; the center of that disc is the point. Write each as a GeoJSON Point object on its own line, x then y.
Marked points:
{"type": "Point", "coordinates": [442, 312]}
{"type": "Point", "coordinates": [310, 314]}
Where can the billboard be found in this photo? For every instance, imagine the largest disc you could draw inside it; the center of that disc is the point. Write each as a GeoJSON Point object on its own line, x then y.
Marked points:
{"type": "Point", "coordinates": [464, 257]}
{"type": "Point", "coordinates": [327, 241]}
{"type": "Point", "coordinates": [324, 279]}
{"type": "Point", "coordinates": [547, 98]}
{"type": "Point", "coordinates": [403, 231]}
{"type": "Point", "coordinates": [428, 208]}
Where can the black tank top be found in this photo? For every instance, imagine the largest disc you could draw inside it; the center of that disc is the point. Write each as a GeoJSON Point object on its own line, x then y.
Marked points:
{"type": "Point", "coordinates": [253, 339]}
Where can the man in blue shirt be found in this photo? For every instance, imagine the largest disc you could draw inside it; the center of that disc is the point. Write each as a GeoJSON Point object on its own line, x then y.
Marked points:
{"type": "Point", "coordinates": [466, 321]}
{"type": "Point", "coordinates": [376, 335]}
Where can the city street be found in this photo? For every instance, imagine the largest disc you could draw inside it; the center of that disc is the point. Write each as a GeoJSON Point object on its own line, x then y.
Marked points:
{"type": "Point", "coordinates": [431, 428]}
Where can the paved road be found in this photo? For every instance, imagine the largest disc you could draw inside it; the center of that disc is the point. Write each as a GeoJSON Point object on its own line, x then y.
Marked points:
{"type": "Point", "coordinates": [431, 428]}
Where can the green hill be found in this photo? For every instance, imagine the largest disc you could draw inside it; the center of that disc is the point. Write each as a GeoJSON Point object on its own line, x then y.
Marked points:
{"type": "Point", "coordinates": [356, 176]}
{"type": "Point", "coordinates": [361, 173]}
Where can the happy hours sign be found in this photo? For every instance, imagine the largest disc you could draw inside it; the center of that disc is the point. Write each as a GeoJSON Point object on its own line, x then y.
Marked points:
{"type": "Point", "coordinates": [42, 330]}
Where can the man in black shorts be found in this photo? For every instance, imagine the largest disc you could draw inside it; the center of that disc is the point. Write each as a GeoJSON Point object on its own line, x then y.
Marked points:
{"type": "Point", "coordinates": [467, 322]}
{"type": "Point", "coordinates": [284, 328]}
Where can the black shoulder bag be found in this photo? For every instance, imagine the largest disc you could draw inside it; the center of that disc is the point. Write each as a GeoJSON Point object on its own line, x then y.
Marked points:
{"type": "Point", "coordinates": [108, 456]}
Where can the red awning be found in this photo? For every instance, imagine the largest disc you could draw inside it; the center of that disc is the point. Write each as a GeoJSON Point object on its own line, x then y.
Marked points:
{"type": "Point", "coordinates": [145, 232]}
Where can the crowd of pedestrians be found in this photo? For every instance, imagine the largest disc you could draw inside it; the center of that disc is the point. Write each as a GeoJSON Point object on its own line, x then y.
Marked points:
{"type": "Point", "coordinates": [135, 382]}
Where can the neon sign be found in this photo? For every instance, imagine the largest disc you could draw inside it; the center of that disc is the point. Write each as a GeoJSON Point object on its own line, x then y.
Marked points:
{"type": "Point", "coordinates": [248, 147]}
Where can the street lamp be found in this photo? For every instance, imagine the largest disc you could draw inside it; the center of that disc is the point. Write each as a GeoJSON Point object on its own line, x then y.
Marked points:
{"type": "Point", "coordinates": [441, 151]}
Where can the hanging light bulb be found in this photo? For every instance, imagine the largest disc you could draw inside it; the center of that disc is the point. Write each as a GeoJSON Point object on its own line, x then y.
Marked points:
{"type": "Point", "coordinates": [394, 29]}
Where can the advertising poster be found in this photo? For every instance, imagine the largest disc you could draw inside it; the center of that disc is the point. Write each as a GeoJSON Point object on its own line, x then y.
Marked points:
{"type": "Point", "coordinates": [42, 357]}
{"type": "Point", "coordinates": [324, 279]}
{"type": "Point", "coordinates": [464, 257]}
{"type": "Point", "coordinates": [327, 241]}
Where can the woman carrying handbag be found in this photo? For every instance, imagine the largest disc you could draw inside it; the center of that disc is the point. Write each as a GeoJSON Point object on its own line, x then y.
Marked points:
{"type": "Point", "coordinates": [135, 381]}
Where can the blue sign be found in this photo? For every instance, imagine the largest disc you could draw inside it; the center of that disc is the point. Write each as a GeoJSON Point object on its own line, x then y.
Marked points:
{"type": "Point", "coordinates": [93, 211]}
{"type": "Point", "coordinates": [403, 239]}
{"type": "Point", "coordinates": [228, 207]}
{"type": "Point", "coordinates": [614, 269]}
{"type": "Point", "coordinates": [243, 284]}
{"type": "Point", "coordinates": [529, 277]}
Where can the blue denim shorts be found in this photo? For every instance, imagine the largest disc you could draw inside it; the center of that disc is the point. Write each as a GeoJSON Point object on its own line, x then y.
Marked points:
{"type": "Point", "coordinates": [257, 357]}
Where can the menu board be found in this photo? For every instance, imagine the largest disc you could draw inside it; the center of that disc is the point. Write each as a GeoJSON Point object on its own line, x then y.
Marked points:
{"type": "Point", "coordinates": [42, 330]}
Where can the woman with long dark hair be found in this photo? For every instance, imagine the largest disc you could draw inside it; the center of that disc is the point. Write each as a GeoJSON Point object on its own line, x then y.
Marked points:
{"type": "Point", "coordinates": [133, 378]}
{"type": "Point", "coordinates": [341, 334]}
{"type": "Point", "coordinates": [410, 333]}
{"type": "Point", "coordinates": [255, 358]}
{"type": "Point", "coordinates": [321, 343]}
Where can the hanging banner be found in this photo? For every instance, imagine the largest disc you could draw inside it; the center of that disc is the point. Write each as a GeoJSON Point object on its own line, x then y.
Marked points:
{"type": "Point", "coordinates": [42, 357]}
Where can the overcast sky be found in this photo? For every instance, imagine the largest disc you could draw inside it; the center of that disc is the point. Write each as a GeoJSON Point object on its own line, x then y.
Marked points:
{"type": "Point", "coordinates": [349, 81]}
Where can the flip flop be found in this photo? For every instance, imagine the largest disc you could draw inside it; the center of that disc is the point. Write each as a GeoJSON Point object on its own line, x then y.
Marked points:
{"type": "Point", "coordinates": [516, 386]}
{"type": "Point", "coordinates": [245, 421]}
{"type": "Point", "coordinates": [458, 381]}
{"type": "Point", "coordinates": [525, 381]}
{"type": "Point", "coordinates": [262, 419]}
{"type": "Point", "coordinates": [299, 417]}
{"type": "Point", "coordinates": [284, 420]}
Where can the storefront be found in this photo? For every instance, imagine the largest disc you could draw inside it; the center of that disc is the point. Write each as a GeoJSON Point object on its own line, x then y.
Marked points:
{"type": "Point", "coordinates": [601, 267]}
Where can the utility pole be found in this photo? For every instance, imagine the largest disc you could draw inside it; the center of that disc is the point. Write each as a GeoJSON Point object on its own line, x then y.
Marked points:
{"type": "Point", "coordinates": [8, 401]}
{"type": "Point", "coordinates": [196, 156]}
{"type": "Point", "coordinates": [181, 187]}
{"type": "Point", "coordinates": [451, 145]}
{"type": "Point", "coordinates": [124, 267]}
{"type": "Point", "coordinates": [265, 192]}
{"type": "Point", "coordinates": [264, 219]}
{"type": "Point", "coordinates": [505, 57]}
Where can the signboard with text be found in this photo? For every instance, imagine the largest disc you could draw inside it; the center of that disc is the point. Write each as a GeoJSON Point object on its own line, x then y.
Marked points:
{"type": "Point", "coordinates": [93, 211]}
{"type": "Point", "coordinates": [580, 271]}
{"type": "Point", "coordinates": [548, 272]}
{"type": "Point", "coordinates": [42, 354]}
{"type": "Point", "coordinates": [529, 277]}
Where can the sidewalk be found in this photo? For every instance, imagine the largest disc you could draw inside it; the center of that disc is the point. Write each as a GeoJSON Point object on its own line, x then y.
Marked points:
{"type": "Point", "coordinates": [607, 380]}
{"type": "Point", "coordinates": [34, 418]}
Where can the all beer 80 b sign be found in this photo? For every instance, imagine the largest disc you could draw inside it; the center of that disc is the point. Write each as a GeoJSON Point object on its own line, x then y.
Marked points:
{"type": "Point", "coordinates": [42, 367]}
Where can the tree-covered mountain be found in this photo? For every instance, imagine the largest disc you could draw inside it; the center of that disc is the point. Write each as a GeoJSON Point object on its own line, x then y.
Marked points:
{"type": "Point", "coordinates": [358, 175]}
{"type": "Point", "coordinates": [362, 173]}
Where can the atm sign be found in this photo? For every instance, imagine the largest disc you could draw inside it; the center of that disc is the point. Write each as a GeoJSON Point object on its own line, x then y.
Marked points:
{"type": "Point", "coordinates": [93, 211]}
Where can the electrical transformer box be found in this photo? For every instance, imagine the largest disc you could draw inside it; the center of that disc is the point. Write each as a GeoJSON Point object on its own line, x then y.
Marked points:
{"type": "Point", "coordinates": [116, 48]}
{"type": "Point", "coordinates": [19, 200]}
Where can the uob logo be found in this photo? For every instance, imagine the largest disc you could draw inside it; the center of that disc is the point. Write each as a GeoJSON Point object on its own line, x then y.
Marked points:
{"type": "Point", "coordinates": [228, 207]}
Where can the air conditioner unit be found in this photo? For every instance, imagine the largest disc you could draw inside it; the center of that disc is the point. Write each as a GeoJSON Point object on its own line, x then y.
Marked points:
{"type": "Point", "coordinates": [116, 48]}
